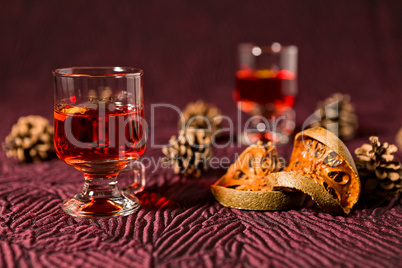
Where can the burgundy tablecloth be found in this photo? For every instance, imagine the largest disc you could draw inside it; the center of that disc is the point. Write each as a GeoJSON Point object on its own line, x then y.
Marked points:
{"type": "Point", "coordinates": [187, 50]}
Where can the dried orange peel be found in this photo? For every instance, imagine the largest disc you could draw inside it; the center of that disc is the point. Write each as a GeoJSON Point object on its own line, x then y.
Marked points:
{"type": "Point", "coordinates": [256, 200]}
{"type": "Point", "coordinates": [244, 185]}
{"type": "Point", "coordinates": [321, 156]}
{"type": "Point", "coordinates": [282, 181]}
{"type": "Point", "coordinates": [321, 166]}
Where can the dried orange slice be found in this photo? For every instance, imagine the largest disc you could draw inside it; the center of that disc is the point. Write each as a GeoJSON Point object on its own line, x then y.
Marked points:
{"type": "Point", "coordinates": [244, 185]}
{"type": "Point", "coordinates": [321, 156]}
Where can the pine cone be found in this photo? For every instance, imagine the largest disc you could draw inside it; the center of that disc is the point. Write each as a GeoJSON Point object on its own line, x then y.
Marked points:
{"type": "Point", "coordinates": [30, 140]}
{"type": "Point", "coordinates": [399, 139]}
{"type": "Point", "coordinates": [380, 175]}
{"type": "Point", "coordinates": [202, 116]}
{"type": "Point", "coordinates": [105, 95]}
{"type": "Point", "coordinates": [337, 114]}
{"type": "Point", "coordinates": [189, 153]}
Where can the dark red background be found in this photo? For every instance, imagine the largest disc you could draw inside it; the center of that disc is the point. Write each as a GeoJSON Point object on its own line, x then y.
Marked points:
{"type": "Point", "coordinates": [187, 50]}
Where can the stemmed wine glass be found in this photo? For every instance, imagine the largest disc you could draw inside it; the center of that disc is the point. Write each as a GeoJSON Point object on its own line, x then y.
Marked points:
{"type": "Point", "coordinates": [99, 129]}
{"type": "Point", "coordinates": [266, 88]}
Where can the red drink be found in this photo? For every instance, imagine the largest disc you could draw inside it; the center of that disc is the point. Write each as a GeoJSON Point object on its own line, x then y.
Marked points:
{"type": "Point", "coordinates": [99, 129]}
{"type": "Point", "coordinates": [86, 133]}
{"type": "Point", "coordinates": [265, 88]}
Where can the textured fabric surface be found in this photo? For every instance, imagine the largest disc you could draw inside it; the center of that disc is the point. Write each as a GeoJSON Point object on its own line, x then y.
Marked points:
{"type": "Point", "coordinates": [187, 50]}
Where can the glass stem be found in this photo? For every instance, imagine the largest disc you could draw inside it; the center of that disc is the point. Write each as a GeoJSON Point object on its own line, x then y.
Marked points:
{"type": "Point", "coordinates": [97, 187]}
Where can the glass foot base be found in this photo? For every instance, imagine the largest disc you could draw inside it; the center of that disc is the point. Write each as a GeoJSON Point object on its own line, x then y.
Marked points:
{"type": "Point", "coordinates": [101, 207]}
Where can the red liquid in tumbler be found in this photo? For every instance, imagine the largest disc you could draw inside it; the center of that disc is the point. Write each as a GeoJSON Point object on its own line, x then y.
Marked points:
{"type": "Point", "coordinates": [265, 87]}
{"type": "Point", "coordinates": [112, 133]}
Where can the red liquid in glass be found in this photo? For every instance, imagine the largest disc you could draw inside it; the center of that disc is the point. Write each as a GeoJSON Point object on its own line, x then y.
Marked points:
{"type": "Point", "coordinates": [264, 87]}
{"type": "Point", "coordinates": [110, 134]}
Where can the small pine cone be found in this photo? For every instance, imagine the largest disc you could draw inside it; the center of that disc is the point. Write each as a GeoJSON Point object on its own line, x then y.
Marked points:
{"type": "Point", "coordinates": [189, 153]}
{"type": "Point", "coordinates": [337, 114]}
{"type": "Point", "coordinates": [399, 139]}
{"type": "Point", "coordinates": [106, 94]}
{"type": "Point", "coordinates": [380, 174]}
{"type": "Point", "coordinates": [92, 95]}
{"type": "Point", "coordinates": [202, 116]}
{"type": "Point", "coordinates": [30, 140]}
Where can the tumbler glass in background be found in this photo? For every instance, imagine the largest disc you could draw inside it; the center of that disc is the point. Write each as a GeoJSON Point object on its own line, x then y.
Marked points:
{"type": "Point", "coordinates": [266, 88]}
{"type": "Point", "coordinates": [100, 130]}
